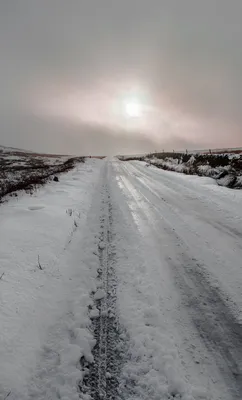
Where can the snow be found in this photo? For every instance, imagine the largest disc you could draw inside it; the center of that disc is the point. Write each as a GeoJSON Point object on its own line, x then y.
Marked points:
{"type": "Point", "coordinates": [5, 149]}
{"type": "Point", "coordinates": [101, 245]}
{"type": "Point", "coordinates": [175, 247]}
{"type": "Point", "coordinates": [239, 180]}
{"type": "Point", "coordinates": [99, 295]}
{"type": "Point", "coordinates": [44, 313]}
{"type": "Point", "coordinates": [227, 180]}
{"type": "Point", "coordinates": [35, 208]}
{"type": "Point", "coordinates": [224, 175]}
{"type": "Point", "coordinates": [191, 160]}
{"type": "Point", "coordinates": [13, 157]}
{"type": "Point", "coordinates": [178, 224]}
{"type": "Point", "coordinates": [94, 313]}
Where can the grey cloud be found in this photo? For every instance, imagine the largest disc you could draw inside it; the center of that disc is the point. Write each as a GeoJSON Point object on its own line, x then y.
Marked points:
{"type": "Point", "coordinates": [187, 52]}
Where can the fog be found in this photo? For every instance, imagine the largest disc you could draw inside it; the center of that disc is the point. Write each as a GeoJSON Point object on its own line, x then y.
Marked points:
{"type": "Point", "coordinates": [68, 70]}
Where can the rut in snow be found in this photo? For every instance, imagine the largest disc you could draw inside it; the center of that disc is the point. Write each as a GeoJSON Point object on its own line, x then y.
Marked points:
{"type": "Point", "coordinates": [102, 380]}
{"type": "Point", "coordinates": [217, 326]}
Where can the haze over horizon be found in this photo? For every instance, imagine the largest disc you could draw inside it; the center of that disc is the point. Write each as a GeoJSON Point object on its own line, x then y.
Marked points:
{"type": "Point", "coordinates": [120, 77]}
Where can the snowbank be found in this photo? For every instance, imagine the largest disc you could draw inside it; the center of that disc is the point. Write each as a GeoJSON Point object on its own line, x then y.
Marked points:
{"type": "Point", "coordinates": [226, 169]}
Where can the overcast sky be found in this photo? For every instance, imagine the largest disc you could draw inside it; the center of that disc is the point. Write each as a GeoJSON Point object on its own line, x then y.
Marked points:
{"type": "Point", "coordinates": [120, 76]}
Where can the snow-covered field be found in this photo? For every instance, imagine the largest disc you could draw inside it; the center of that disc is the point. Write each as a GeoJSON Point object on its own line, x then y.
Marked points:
{"type": "Point", "coordinates": [122, 282]}
{"type": "Point", "coordinates": [21, 170]}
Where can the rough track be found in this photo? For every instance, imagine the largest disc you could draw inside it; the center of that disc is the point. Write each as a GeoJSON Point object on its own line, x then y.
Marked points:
{"type": "Point", "coordinates": [102, 380]}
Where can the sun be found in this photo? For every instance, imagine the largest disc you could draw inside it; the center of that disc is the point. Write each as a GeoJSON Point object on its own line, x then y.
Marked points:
{"type": "Point", "coordinates": [133, 109]}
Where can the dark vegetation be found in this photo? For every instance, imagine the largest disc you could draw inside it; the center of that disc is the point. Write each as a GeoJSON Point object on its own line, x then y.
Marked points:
{"type": "Point", "coordinates": [26, 171]}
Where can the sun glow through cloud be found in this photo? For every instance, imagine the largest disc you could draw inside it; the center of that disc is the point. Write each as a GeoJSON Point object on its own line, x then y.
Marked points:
{"type": "Point", "coordinates": [119, 107]}
{"type": "Point", "coordinates": [133, 109]}
{"type": "Point", "coordinates": [105, 104]}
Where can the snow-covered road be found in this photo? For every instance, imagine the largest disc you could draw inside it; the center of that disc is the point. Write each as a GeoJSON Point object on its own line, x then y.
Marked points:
{"type": "Point", "coordinates": [140, 296]}
{"type": "Point", "coordinates": [181, 290]}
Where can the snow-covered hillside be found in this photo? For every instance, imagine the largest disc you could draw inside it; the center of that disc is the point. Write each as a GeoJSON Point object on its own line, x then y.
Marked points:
{"type": "Point", "coordinates": [21, 170]}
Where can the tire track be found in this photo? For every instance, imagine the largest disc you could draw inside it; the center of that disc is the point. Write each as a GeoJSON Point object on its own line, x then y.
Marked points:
{"type": "Point", "coordinates": [219, 330]}
{"type": "Point", "coordinates": [102, 378]}
{"type": "Point", "coordinates": [214, 321]}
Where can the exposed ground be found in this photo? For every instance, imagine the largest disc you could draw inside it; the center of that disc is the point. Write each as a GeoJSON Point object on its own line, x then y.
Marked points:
{"type": "Point", "coordinates": [21, 170]}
